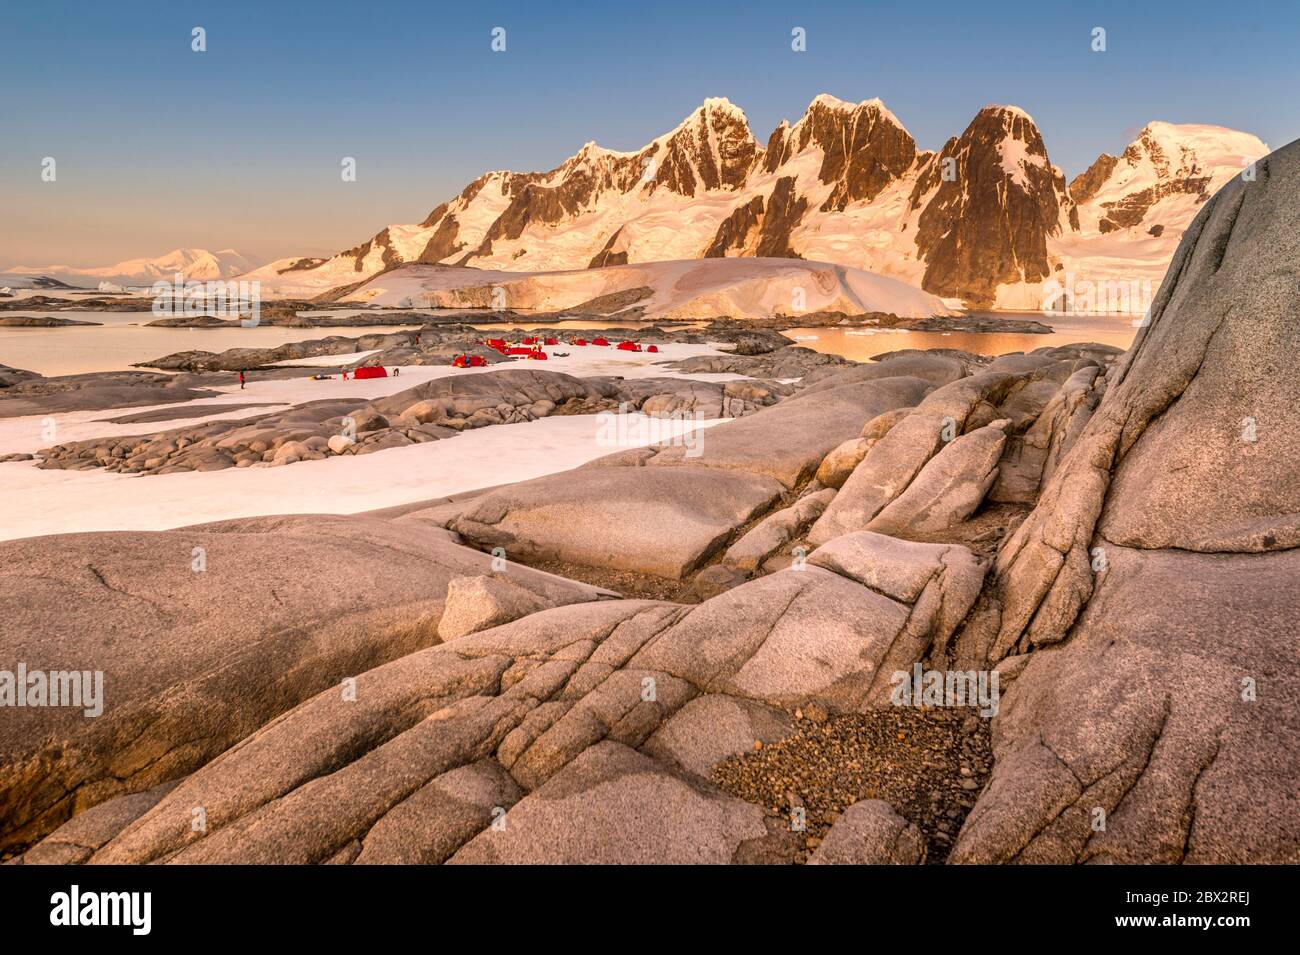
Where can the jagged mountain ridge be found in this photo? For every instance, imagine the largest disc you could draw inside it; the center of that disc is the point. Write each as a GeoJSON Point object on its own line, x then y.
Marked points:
{"type": "Point", "coordinates": [199, 265]}
{"type": "Point", "coordinates": [986, 219]}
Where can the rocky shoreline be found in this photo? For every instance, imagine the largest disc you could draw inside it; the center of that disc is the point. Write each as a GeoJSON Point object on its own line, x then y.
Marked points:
{"type": "Point", "coordinates": [428, 412]}
{"type": "Point", "coordinates": [285, 313]}
{"type": "Point", "coordinates": [978, 324]}
{"type": "Point", "coordinates": [24, 393]}
{"type": "Point", "coordinates": [38, 321]}
{"type": "Point", "coordinates": [440, 346]}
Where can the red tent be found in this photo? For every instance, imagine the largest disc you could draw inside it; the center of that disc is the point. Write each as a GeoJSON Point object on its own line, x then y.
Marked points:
{"type": "Point", "coordinates": [530, 341]}
{"type": "Point", "coordinates": [498, 343]}
{"type": "Point", "coordinates": [539, 355]}
{"type": "Point", "coordinates": [600, 341]}
{"type": "Point", "coordinates": [519, 350]}
{"type": "Point", "coordinates": [375, 371]}
{"type": "Point", "coordinates": [580, 341]}
{"type": "Point", "coordinates": [653, 348]}
{"type": "Point", "coordinates": [552, 341]}
{"type": "Point", "coordinates": [629, 346]}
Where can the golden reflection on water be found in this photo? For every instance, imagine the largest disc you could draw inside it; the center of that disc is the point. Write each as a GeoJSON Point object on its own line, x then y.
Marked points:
{"type": "Point", "coordinates": [861, 344]}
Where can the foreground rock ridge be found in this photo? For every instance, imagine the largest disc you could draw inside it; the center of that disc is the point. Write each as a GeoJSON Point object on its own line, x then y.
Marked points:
{"type": "Point", "coordinates": [680, 654]}
{"type": "Point", "coordinates": [1158, 570]}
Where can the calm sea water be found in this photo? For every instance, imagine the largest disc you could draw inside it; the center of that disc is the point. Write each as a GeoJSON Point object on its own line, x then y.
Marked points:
{"type": "Point", "coordinates": [122, 339]}
{"type": "Point", "coordinates": [863, 343]}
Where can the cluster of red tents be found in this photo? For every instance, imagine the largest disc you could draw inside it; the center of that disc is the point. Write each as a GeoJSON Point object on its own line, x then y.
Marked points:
{"type": "Point", "coordinates": [531, 347]}
{"type": "Point", "coordinates": [622, 346]}
{"type": "Point", "coordinates": [528, 348]}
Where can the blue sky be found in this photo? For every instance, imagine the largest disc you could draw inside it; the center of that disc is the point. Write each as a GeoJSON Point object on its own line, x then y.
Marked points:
{"type": "Point", "coordinates": [158, 146]}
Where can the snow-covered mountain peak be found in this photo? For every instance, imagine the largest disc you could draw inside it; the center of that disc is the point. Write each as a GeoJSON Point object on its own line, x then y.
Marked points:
{"type": "Point", "coordinates": [987, 218]}
{"type": "Point", "coordinates": [1008, 111]}
{"type": "Point", "coordinates": [715, 113]}
{"type": "Point", "coordinates": [720, 104]}
{"type": "Point", "coordinates": [1008, 122]}
{"type": "Point", "coordinates": [197, 265]}
{"type": "Point", "coordinates": [857, 150]}
{"type": "Point", "coordinates": [832, 102]}
{"type": "Point", "coordinates": [1193, 148]}
{"type": "Point", "coordinates": [826, 102]}
{"type": "Point", "coordinates": [1142, 186]}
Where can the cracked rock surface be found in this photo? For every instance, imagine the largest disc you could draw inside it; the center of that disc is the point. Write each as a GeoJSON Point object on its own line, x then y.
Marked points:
{"type": "Point", "coordinates": [193, 660]}
{"type": "Point", "coordinates": [1158, 572]}
{"type": "Point", "coordinates": [588, 704]}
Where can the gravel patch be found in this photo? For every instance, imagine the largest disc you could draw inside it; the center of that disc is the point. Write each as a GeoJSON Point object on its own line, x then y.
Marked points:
{"type": "Point", "coordinates": [928, 763]}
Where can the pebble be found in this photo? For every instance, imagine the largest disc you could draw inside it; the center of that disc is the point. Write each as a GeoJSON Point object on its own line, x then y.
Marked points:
{"type": "Point", "coordinates": [816, 712]}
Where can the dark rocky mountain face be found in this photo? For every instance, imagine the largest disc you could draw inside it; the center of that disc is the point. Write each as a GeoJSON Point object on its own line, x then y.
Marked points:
{"type": "Point", "coordinates": [382, 241]}
{"type": "Point", "coordinates": [863, 151]}
{"type": "Point", "coordinates": [1085, 185]}
{"type": "Point", "coordinates": [714, 149]}
{"type": "Point", "coordinates": [762, 228]}
{"type": "Point", "coordinates": [611, 254]}
{"type": "Point", "coordinates": [736, 232]}
{"type": "Point", "coordinates": [784, 209]}
{"type": "Point", "coordinates": [443, 243]}
{"type": "Point", "coordinates": [991, 198]}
